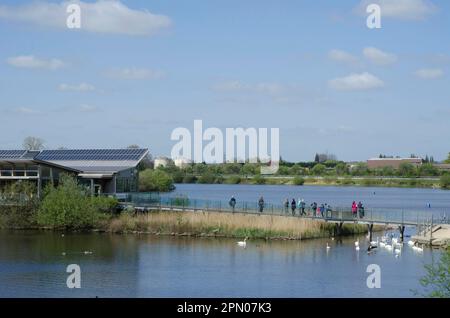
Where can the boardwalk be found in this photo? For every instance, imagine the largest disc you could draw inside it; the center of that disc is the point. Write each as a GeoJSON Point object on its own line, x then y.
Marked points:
{"type": "Point", "coordinates": [384, 217]}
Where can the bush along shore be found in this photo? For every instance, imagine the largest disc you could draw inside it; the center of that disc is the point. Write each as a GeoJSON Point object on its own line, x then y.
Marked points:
{"type": "Point", "coordinates": [69, 207]}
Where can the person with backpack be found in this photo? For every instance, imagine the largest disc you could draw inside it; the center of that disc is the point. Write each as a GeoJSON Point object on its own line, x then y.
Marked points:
{"type": "Point", "coordinates": [232, 203]}
{"type": "Point", "coordinates": [261, 204]}
{"type": "Point", "coordinates": [293, 206]}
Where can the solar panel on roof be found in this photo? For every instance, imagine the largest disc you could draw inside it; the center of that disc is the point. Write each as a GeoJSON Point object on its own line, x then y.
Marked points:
{"type": "Point", "coordinates": [11, 154]}
{"type": "Point", "coordinates": [92, 154]}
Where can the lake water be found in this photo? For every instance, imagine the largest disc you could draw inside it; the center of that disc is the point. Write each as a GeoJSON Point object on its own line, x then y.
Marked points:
{"type": "Point", "coordinates": [32, 265]}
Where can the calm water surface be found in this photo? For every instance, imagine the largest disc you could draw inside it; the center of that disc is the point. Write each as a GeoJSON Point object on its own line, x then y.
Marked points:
{"type": "Point", "coordinates": [32, 265]}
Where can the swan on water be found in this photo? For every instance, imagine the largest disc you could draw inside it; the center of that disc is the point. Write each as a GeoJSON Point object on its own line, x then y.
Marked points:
{"type": "Point", "coordinates": [328, 246]}
{"type": "Point", "coordinates": [357, 248]}
{"type": "Point", "coordinates": [419, 249]}
{"type": "Point", "coordinates": [411, 243]}
{"type": "Point", "coordinates": [357, 243]}
{"type": "Point", "coordinates": [243, 243]}
{"type": "Point", "coordinates": [375, 243]}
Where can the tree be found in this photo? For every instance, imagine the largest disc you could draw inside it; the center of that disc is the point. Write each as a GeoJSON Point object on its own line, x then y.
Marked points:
{"type": "Point", "coordinates": [437, 279]}
{"type": "Point", "coordinates": [33, 143]}
{"type": "Point", "coordinates": [406, 169]}
{"type": "Point", "coordinates": [155, 180]}
{"type": "Point", "coordinates": [448, 159]}
{"type": "Point", "coordinates": [316, 158]}
{"type": "Point", "coordinates": [341, 168]}
{"type": "Point", "coordinates": [428, 169]}
{"type": "Point", "coordinates": [318, 169]}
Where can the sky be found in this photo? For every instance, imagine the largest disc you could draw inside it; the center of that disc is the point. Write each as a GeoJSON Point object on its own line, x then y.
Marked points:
{"type": "Point", "coordinates": [136, 70]}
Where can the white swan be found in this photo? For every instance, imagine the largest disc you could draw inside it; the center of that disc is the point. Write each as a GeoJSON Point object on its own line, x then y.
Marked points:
{"type": "Point", "coordinates": [242, 243]}
{"type": "Point", "coordinates": [398, 251]}
{"type": "Point", "coordinates": [87, 252]}
{"type": "Point", "coordinates": [382, 244]}
{"type": "Point", "coordinates": [328, 247]}
{"type": "Point", "coordinates": [411, 243]}
{"type": "Point", "coordinates": [419, 249]}
{"type": "Point", "coordinates": [357, 248]}
{"type": "Point", "coordinates": [375, 243]}
{"type": "Point", "coordinates": [389, 247]}
{"type": "Point", "coordinates": [357, 243]}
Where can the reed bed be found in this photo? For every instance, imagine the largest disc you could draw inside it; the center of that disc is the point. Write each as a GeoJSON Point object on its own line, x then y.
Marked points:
{"type": "Point", "coordinates": [227, 225]}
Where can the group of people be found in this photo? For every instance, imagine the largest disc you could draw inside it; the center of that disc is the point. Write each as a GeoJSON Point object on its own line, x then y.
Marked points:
{"type": "Point", "coordinates": [300, 204]}
{"type": "Point", "coordinates": [357, 209]}
{"type": "Point", "coordinates": [322, 210]}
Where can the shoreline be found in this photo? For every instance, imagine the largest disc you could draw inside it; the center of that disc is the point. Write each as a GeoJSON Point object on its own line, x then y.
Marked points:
{"type": "Point", "coordinates": [214, 225]}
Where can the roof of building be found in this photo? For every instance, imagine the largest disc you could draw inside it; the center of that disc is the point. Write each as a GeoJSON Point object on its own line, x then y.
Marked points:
{"type": "Point", "coordinates": [84, 160]}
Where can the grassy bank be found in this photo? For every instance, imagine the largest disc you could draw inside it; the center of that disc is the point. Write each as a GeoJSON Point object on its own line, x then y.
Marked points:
{"type": "Point", "coordinates": [227, 225]}
{"type": "Point", "coordinates": [332, 181]}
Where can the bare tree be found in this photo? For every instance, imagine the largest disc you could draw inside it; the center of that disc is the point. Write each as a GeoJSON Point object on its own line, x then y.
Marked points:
{"type": "Point", "coordinates": [33, 143]}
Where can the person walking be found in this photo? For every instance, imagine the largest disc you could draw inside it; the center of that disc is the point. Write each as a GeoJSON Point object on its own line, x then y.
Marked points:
{"type": "Point", "coordinates": [232, 203]}
{"type": "Point", "coordinates": [286, 206]}
{"type": "Point", "coordinates": [302, 206]}
{"type": "Point", "coordinates": [261, 204]}
{"type": "Point", "coordinates": [354, 209]}
{"type": "Point", "coordinates": [293, 206]}
{"type": "Point", "coordinates": [314, 208]}
{"type": "Point", "coordinates": [360, 210]}
{"type": "Point", "coordinates": [322, 209]}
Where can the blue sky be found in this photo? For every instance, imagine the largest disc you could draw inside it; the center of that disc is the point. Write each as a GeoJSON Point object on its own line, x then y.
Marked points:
{"type": "Point", "coordinates": [311, 68]}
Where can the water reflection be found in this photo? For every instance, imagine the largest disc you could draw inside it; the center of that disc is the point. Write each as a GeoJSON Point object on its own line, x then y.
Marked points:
{"type": "Point", "coordinates": [31, 265]}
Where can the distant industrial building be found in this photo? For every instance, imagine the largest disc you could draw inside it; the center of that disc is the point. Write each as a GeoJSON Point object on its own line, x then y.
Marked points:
{"type": "Point", "coordinates": [101, 170]}
{"type": "Point", "coordinates": [395, 163]}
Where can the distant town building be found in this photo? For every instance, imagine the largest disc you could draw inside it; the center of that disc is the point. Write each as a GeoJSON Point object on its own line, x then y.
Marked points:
{"type": "Point", "coordinates": [395, 163]}
{"type": "Point", "coordinates": [182, 162]}
{"type": "Point", "coordinates": [161, 162]}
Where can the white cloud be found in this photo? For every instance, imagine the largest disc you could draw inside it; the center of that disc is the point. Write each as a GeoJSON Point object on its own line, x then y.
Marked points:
{"type": "Point", "coordinates": [30, 61]}
{"type": "Point", "coordinates": [400, 9]}
{"type": "Point", "coordinates": [102, 16]}
{"type": "Point", "coordinates": [342, 56]}
{"type": "Point", "coordinates": [379, 57]}
{"type": "Point", "coordinates": [87, 108]}
{"type": "Point", "coordinates": [237, 86]}
{"type": "Point", "coordinates": [135, 74]}
{"type": "Point", "coordinates": [83, 87]}
{"type": "Point", "coordinates": [26, 111]}
{"type": "Point", "coordinates": [361, 81]}
{"type": "Point", "coordinates": [429, 73]}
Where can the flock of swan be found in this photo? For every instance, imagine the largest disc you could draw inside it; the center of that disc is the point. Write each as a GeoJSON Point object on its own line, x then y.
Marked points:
{"type": "Point", "coordinates": [394, 245]}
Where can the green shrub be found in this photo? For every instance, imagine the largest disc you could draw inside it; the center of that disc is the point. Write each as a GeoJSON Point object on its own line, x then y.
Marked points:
{"type": "Point", "coordinates": [69, 206]}
{"type": "Point", "coordinates": [258, 179]}
{"type": "Point", "coordinates": [298, 181]}
{"type": "Point", "coordinates": [445, 181]}
{"type": "Point", "coordinates": [20, 205]}
{"type": "Point", "coordinates": [233, 180]}
{"type": "Point", "coordinates": [189, 178]}
{"type": "Point", "coordinates": [207, 178]}
{"type": "Point", "coordinates": [155, 180]}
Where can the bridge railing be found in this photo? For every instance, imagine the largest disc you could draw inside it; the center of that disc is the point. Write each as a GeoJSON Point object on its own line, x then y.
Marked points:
{"type": "Point", "coordinates": [371, 214]}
